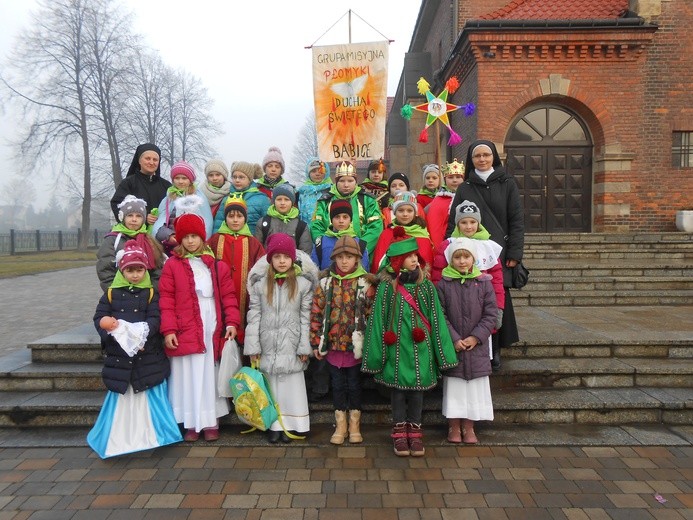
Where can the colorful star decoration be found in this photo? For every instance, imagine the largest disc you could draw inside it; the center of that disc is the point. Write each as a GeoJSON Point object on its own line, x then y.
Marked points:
{"type": "Point", "coordinates": [437, 108]}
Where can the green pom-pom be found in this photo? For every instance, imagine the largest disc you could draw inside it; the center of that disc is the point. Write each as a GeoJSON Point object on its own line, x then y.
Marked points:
{"type": "Point", "coordinates": [406, 112]}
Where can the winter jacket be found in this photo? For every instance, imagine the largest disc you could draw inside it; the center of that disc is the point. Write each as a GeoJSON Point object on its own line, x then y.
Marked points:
{"type": "Point", "coordinates": [152, 189]}
{"type": "Point", "coordinates": [266, 189]}
{"type": "Point", "coordinates": [387, 214]}
{"type": "Point", "coordinates": [256, 201]}
{"type": "Point", "coordinates": [308, 194]}
{"type": "Point", "coordinates": [295, 228]}
{"type": "Point", "coordinates": [148, 367]}
{"type": "Point", "coordinates": [437, 213]}
{"type": "Point", "coordinates": [496, 272]}
{"type": "Point", "coordinates": [501, 196]}
{"type": "Point", "coordinates": [323, 249]}
{"type": "Point", "coordinates": [163, 228]}
{"type": "Point", "coordinates": [425, 249]}
{"type": "Point", "coordinates": [180, 309]}
{"type": "Point", "coordinates": [280, 332]}
{"type": "Point", "coordinates": [240, 253]}
{"type": "Point", "coordinates": [406, 364]}
{"type": "Point", "coordinates": [105, 260]}
{"type": "Point", "coordinates": [470, 310]}
{"type": "Point", "coordinates": [367, 226]}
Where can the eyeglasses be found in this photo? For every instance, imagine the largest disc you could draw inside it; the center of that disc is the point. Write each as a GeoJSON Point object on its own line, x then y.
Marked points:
{"type": "Point", "coordinates": [482, 156]}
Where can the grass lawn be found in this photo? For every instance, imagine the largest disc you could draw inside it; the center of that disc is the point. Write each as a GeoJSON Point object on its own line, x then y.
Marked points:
{"type": "Point", "coordinates": [33, 263]}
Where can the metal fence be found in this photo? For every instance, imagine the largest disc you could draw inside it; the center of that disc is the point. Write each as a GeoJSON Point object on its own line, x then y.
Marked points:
{"type": "Point", "coordinates": [33, 241]}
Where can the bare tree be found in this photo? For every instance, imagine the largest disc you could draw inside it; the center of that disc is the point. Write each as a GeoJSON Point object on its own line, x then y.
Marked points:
{"type": "Point", "coordinates": [306, 147]}
{"type": "Point", "coordinates": [54, 102]}
{"type": "Point", "coordinates": [196, 125]}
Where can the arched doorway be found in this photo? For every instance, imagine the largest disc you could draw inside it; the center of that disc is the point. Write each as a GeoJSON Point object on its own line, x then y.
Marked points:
{"type": "Point", "coordinates": [549, 151]}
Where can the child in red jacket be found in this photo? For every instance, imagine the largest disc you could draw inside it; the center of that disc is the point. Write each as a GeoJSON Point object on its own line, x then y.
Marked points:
{"type": "Point", "coordinates": [199, 311]}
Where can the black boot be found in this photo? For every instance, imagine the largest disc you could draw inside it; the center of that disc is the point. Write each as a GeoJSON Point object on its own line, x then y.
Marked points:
{"type": "Point", "coordinates": [496, 360]}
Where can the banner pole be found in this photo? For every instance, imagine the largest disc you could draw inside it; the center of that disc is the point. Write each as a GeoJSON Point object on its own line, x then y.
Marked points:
{"type": "Point", "coordinates": [438, 146]}
{"type": "Point", "coordinates": [349, 25]}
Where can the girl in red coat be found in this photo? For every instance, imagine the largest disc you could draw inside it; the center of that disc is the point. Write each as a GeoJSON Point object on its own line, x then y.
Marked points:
{"type": "Point", "coordinates": [406, 222]}
{"type": "Point", "coordinates": [236, 246]}
{"type": "Point", "coordinates": [199, 311]}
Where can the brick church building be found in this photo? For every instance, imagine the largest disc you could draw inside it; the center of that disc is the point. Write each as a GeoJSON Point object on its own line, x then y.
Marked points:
{"type": "Point", "coordinates": [590, 103]}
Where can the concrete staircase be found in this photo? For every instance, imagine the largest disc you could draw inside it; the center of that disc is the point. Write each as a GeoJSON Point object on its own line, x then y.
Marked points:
{"type": "Point", "coordinates": [607, 338]}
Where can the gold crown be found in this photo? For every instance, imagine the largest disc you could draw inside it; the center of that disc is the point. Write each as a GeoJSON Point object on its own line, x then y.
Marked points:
{"type": "Point", "coordinates": [454, 168]}
{"type": "Point", "coordinates": [345, 169]}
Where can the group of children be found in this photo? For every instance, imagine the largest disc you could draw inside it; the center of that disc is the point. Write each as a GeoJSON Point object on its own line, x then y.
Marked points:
{"type": "Point", "coordinates": [236, 259]}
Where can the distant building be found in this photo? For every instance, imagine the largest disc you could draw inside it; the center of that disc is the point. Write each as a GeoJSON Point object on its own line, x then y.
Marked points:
{"type": "Point", "coordinates": [590, 103]}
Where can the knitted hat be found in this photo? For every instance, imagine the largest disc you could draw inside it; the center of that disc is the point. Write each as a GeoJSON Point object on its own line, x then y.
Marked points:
{"type": "Point", "coordinates": [400, 249]}
{"type": "Point", "coordinates": [280, 243]}
{"type": "Point", "coordinates": [460, 243]}
{"type": "Point", "coordinates": [274, 154]}
{"type": "Point", "coordinates": [340, 206]}
{"type": "Point", "coordinates": [315, 163]}
{"type": "Point", "coordinates": [250, 170]}
{"type": "Point", "coordinates": [467, 209]}
{"type": "Point", "coordinates": [398, 176]}
{"type": "Point", "coordinates": [235, 204]}
{"type": "Point", "coordinates": [285, 190]}
{"type": "Point", "coordinates": [405, 198]}
{"type": "Point", "coordinates": [346, 244]}
{"type": "Point", "coordinates": [346, 168]}
{"type": "Point", "coordinates": [190, 224]}
{"type": "Point", "coordinates": [131, 254]}
{"type": "Point", "coordinates": [217, 165]}
{"type": "Point", "coordinates": [454, 168]}
{"type": "Point", "coordinates": [428, 168]}
{"type": "Point", "coordinates": [183, 168]}
{"type": "Point", "coordinates": [130, 205]}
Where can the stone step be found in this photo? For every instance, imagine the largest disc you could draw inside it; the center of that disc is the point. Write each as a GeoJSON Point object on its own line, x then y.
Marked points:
{"type": "Point", "coordinates": [600, 255]}
{"type": "Point", "coordinates": [582, 269]}
{"type": "Point", "coordinates": [567, 348]}
{"type": "Point", "coordinates": [78, 345]}
{"type": "Point", "coordinates": [518, 406]}
{"type": "Point", "coordinates": [602, 283]}
{"type": "Point", "coordinates": [528, 296]}
{"type": "Point", "coordinates": [608, 239]}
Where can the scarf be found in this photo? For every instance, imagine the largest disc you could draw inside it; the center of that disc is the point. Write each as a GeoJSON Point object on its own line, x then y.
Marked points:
{"type": "Point", "coordinates": [415, 230]}
{"type": "Point", "coordinates": [348, 232]}
{"type": "Point", "coordinates": [281, 276]}
{"type": "Point", "coordinates": [225, 230]}
{"type": "Point", "coordinates": [484, 175]}
{"type": "Point", "coordinates": [120, 281]}
{"type": "Point", "coordinates": [270, 183]}
{"type": "Point", "coordinates": [481, 234]}
{"type": "Point", "coordinates": [359, 271]}
{"type": "Point", "coordinates": [174, 192]}
{"type": "Point", "coordinates": [334, 191]}
{"type": "Point", "coordinates": [215, 195]}
{"type": "Point", "coordinates": [430, 193]}
{"type": "Point", "coordinates": [408, 276]}
{"type": "Point", "coordinates": [292, 214]}
{"type": "Point", "coordinates": [451, 272]}
{"type": "Point", "coordinates": [121, 228]}
{"type": "Point", "coordinates": [309, 182]}
{"type": "Point", "coordinates": [205, 251]}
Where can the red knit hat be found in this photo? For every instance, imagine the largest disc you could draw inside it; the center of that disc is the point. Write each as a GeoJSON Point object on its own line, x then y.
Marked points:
{"type": "Point", "coordinates": [339, 206]}
{"type": "Point", "coordinates": [132, 254]}
{"type": "Point", "coordinates": [190, 224]}
{"type": "Point", "coordinates": [280, 243]}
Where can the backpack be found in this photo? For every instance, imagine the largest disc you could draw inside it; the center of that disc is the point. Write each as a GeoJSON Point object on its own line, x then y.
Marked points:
{"type": "Point", "coordinates": [253, 401]}
{"type": "Point", "coordinates": [300, 228]}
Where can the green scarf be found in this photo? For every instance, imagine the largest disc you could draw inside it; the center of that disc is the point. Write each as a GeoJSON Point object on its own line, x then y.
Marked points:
{"type": "Point", "coordinates": [244, 231]}
{"type": "Point", "coordinates": [430, 193]}
{"type": "Point", "coordinates": [348, 232]}
{"type": "Point", "coordinates": [297, 270]}
{"type": "Point", "coordinates": [359, 271]}
{"type": "Point", "coordinates": [120, 281]}
{"type": "Point", "coordinates": [334, 191]}
{"type": "Point", "coordinates": [451, 272]}
{"type": "Point", "coordinates": [264, 181]}
{"type": "Point", "coordinates": [292, 214]}
{"type": "Point", "coordinates": [310, 182]}
{"type": "Point", "coordinates": [379, 183]}
{"type": "Point", "coordinates": [205, 251]}
{"type": "Point", "coordinates": [481, 234]}
{"type": "Point", "coordinates": [172, 190]}
{"type": "Point", "coordinates": [415, 230]}
{"type": "Point", "coordinates": [120, 228]}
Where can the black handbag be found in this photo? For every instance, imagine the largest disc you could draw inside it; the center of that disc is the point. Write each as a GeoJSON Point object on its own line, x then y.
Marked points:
{"type": "Point", "coordinates": [520, 276]}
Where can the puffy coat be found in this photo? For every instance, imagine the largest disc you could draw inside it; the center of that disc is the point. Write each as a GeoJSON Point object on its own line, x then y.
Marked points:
{"type": "Point", "coordinates": [470, 310]}
{"type": "Point", "coordinates": [105, 260]}
{"type": "Point", "coordinates": [256, 201]}
{"type": "Point", "coordinates": [280, 332]}
{"type": "Point", "coordinates": [437, 213]}
{"type": "Point", "coordinates": [295, 228]}
{"type": "Point", "coordinates": [180, 309]}
{"type": "Point", "coordinates": [148, 367]}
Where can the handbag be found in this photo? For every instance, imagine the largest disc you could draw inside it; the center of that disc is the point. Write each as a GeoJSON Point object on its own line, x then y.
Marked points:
{"type": "Point", "coordinates": [520, 276]}
{"type": "Point", "coordinates": [229, 365]}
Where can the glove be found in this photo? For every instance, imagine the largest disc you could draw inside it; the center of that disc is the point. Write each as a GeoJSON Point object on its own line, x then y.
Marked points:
{"type": "Point", "coordinates": [499, 319]}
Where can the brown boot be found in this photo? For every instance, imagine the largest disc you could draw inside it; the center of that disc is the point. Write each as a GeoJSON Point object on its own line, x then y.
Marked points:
{"type": "Point", "coordinates": [355, 427]}
{"type": "Point", "coordinates": [399, 439]}
{"type": "Point", "coordinates": [340, 431]}
{"type": "Point", "coordinates": [415, 438]}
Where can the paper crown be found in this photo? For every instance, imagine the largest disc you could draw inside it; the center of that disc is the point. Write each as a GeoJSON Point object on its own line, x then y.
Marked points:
{"type": "Point", "coordinates": [345, 169]}
{"type": "Point", "coordinates": [454, 168]}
